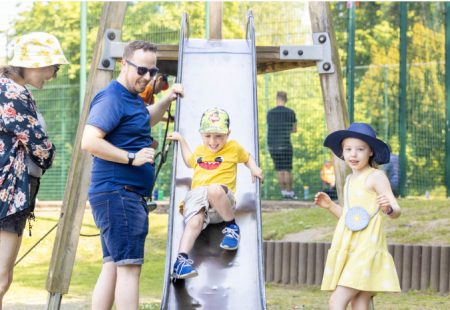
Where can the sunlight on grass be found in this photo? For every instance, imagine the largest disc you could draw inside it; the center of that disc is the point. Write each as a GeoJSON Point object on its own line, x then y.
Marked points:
{"type": "Point", "coordinates": [31, 273]}
{"type": "Point", "coordinates": [422, 221]}
{"type": "Point", "coordinates": [281, 297]}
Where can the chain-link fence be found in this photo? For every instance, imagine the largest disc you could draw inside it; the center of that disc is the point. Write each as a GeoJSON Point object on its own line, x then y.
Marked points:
{"type": "Point", "coordinates": [285, 23]}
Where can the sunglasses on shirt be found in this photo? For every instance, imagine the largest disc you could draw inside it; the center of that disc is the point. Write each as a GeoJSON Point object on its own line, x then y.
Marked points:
{"type": "Point", "coordinates": [143, 70]}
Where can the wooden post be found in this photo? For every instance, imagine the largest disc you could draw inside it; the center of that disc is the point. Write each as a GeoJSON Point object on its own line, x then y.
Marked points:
{"type": "Point", "coordinates": [215, 20]}
{"type": "Point", "coordinates": [278, 259]}
{"type": "Point", "coordinates": [332, 86]}
{"type": "Point", "coordinates": [407, 267]}
{"type": "Point", "coordinates": [416, 263]}
{"type": "Point", "coordinates": [269, 261]}
{"type": "Point", "coordinates": [425, 265]}
{"type": "Point", "coordinates": [398, 260]}
{"type": "Point", "coordinates": [72, 211]}
{"type": "Point", "coordinates": [285, 268]}
{"type": "Point", "coordinates": [294, 263]}
{"type": "Point", "coordinates": [302, 263]}
{"type": "Point", "coordinates": [434, 268]}
{"type": "Point", "coordinates": [320, 262]}
{"type": "Point", "coordinates": [444, 270]}
{"type": "Point", "coordinates": [310, 263]}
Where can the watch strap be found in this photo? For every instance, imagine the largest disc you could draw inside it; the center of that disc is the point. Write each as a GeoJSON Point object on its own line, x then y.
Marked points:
{"type": "Point", "coordinates": [131, 157]}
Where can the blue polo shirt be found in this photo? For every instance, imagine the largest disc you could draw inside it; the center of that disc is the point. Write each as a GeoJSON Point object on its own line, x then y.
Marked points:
{"type": "Point", "coordinates": [126, 122]}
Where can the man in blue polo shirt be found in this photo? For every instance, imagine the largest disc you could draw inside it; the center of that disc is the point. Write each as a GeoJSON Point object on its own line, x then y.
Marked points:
{"type": "Point", "coordinates": [118, 135]}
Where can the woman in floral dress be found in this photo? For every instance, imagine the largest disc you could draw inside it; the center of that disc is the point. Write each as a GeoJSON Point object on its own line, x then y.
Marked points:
{"type": "Point", "coordinates": [25, 149]}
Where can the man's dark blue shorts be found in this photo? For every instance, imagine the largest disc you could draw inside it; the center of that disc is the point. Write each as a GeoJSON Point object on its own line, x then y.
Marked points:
{"type": "Point", "coordinates": [282, 158]}
{"type": "Point", "coordinates": [122, 218]}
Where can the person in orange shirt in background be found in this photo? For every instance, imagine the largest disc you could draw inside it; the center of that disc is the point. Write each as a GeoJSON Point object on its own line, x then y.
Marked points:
{"type": "Point", "coordinates": [153, 88]}
{"type": "Point", "coordinates": [328, 179]}
{"type": "Point", "coordinates": [159, 83]}
{"type": "Point", "coordinates": [327, 175]}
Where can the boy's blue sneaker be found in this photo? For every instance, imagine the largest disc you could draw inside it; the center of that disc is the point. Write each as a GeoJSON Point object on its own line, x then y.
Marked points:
{"type": "Point", "coordinates": [182, 269]}
{"type": "Point", "coordinates": [231, 239]}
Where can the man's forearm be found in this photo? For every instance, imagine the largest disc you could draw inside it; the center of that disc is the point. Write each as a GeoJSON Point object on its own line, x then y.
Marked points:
{"type": "Point", "coordinates": [103, 149]}
{"type": "Point", "coordinates": [158, 109]}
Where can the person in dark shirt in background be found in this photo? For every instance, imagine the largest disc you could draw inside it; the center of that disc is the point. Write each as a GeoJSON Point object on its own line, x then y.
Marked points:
{"type": "Point", "coordinates": [392, 170]}
{"type": "Point", "coordinates": [281, 122]}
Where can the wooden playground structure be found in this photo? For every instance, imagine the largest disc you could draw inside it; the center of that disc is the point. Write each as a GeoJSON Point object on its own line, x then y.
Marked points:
{"type": "Point", "coordinates": [268, 59]}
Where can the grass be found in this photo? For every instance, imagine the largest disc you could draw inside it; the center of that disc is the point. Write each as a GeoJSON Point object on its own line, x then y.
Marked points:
{"type": "Point", "coordinates": [422, 221]}
{"type": "Point", "coordinates": [282, 297]}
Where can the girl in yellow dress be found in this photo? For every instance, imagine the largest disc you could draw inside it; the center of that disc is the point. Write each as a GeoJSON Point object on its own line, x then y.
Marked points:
{"type": "Point", "coordinates": [358, 263]}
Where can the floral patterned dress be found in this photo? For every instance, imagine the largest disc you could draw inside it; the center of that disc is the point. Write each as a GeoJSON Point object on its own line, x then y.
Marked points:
{"type": "Point", "coordinates": [20, 135]}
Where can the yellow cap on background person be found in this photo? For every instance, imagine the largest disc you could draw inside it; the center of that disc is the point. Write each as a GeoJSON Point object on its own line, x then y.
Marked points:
{"type": "Point", "coordinates": [37, 50]}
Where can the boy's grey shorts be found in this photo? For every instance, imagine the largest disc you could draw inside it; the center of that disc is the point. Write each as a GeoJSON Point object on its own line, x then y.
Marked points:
{"type": "Point", "coordinates": [197, 199]}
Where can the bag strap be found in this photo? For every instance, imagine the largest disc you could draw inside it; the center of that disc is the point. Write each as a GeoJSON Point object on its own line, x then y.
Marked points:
{"type": "Point", "coordinates": [348, 199]}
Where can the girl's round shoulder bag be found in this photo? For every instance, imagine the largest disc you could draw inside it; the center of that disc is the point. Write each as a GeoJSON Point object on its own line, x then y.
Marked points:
{"type": "Point", "coordinates": [357, 218]}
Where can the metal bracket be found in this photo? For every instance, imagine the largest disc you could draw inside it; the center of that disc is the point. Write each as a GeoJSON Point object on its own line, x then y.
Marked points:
{"type": "Point", "coordinates": [320, 52]}
{"type": "Point", "coordinates": [112, 49]}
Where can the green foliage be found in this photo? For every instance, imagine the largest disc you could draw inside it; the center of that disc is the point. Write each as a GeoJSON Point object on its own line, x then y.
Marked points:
{"type": "Point", "coordinates": [278, 23]}
{"type": "Point", "coordinates": [62, 19]}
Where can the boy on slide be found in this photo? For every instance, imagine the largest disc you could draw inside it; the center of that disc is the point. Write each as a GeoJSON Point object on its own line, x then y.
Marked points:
{"type": "Point", "coordinates": [211, 198]}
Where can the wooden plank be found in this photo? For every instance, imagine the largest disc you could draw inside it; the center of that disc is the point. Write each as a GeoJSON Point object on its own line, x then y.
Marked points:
{"type": "Point", "coordinates": [332, 86]}
{"type": "Point", "coordinates": [302, 263]}
{"type": "Point", "coordinates": [270, 67]}
{"type": "Point", "coordinates": [215, 20]}
{"type": "Point", "coordinates": [270, 261]}
{"type": "Point", "coordinates": [416, 263]}
{"type": "Point", "coordinates": [310, 263]}
{"type": "Point", "coordinates": [320, 263]}
{"type": "Point", "coordinates": [285, 268]}
{"type": "Point", "coordinates": [391, 249]}
{"type": "Point", "coordinates": [434, 268]}
{"type": "Point", "coordinates": [425, 265]}
{"type": "Point", "coordinates": [407, 267]}
{"type": "Point", "coordinates": [267, 60]}
{"type": "Point", "coordinates": [278, 260]}
{"type": "Point", "coordinates": [75, 196]}
{"type": "Point", "coordinates": [294, 263]}
{"type": "Point", "coordinates": [444, 269]}
{"type": "Point", "coordinates": [398, 260]}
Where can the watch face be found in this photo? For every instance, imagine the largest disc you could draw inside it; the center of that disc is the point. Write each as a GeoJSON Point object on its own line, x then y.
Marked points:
{"type": "Point", "coordinates": [131, 155]}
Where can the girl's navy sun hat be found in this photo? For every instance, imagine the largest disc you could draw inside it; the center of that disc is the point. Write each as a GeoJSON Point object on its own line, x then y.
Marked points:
{"type": "Point", "coordinates": [360, 131]}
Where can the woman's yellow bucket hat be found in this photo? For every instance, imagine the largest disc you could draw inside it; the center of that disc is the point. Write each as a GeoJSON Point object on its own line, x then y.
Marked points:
{"type": "Point", "coordinates": [37, 50]}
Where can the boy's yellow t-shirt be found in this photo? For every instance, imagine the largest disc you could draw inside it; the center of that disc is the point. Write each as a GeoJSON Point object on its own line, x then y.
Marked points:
{"type": "Point", "coordinates": [217, 168]}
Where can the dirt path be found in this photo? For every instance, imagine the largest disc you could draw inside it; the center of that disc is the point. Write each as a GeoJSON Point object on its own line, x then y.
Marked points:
{"type": "Point", "coordinates": [309, 235]}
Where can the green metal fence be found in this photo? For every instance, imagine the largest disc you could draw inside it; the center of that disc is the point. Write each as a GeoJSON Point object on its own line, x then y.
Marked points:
{"type": "Point", "coordinates": [376, 84]}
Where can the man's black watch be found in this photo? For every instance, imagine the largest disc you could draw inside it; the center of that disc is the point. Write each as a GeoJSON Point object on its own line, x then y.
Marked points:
{"type": "Point", "coordinates": [131, 157]}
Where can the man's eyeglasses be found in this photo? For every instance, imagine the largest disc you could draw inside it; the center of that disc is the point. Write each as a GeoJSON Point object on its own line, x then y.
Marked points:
{"type": "Point", "coordinates": [143, 70]}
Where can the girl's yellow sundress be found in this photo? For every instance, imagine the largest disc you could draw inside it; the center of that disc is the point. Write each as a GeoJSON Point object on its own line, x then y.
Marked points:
{"type": "Point", "coordinates": [360, 259]}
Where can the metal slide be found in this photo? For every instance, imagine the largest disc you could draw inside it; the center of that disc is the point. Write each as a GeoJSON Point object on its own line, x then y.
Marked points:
{"type": "Point", "coordinates": [218, 73]}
